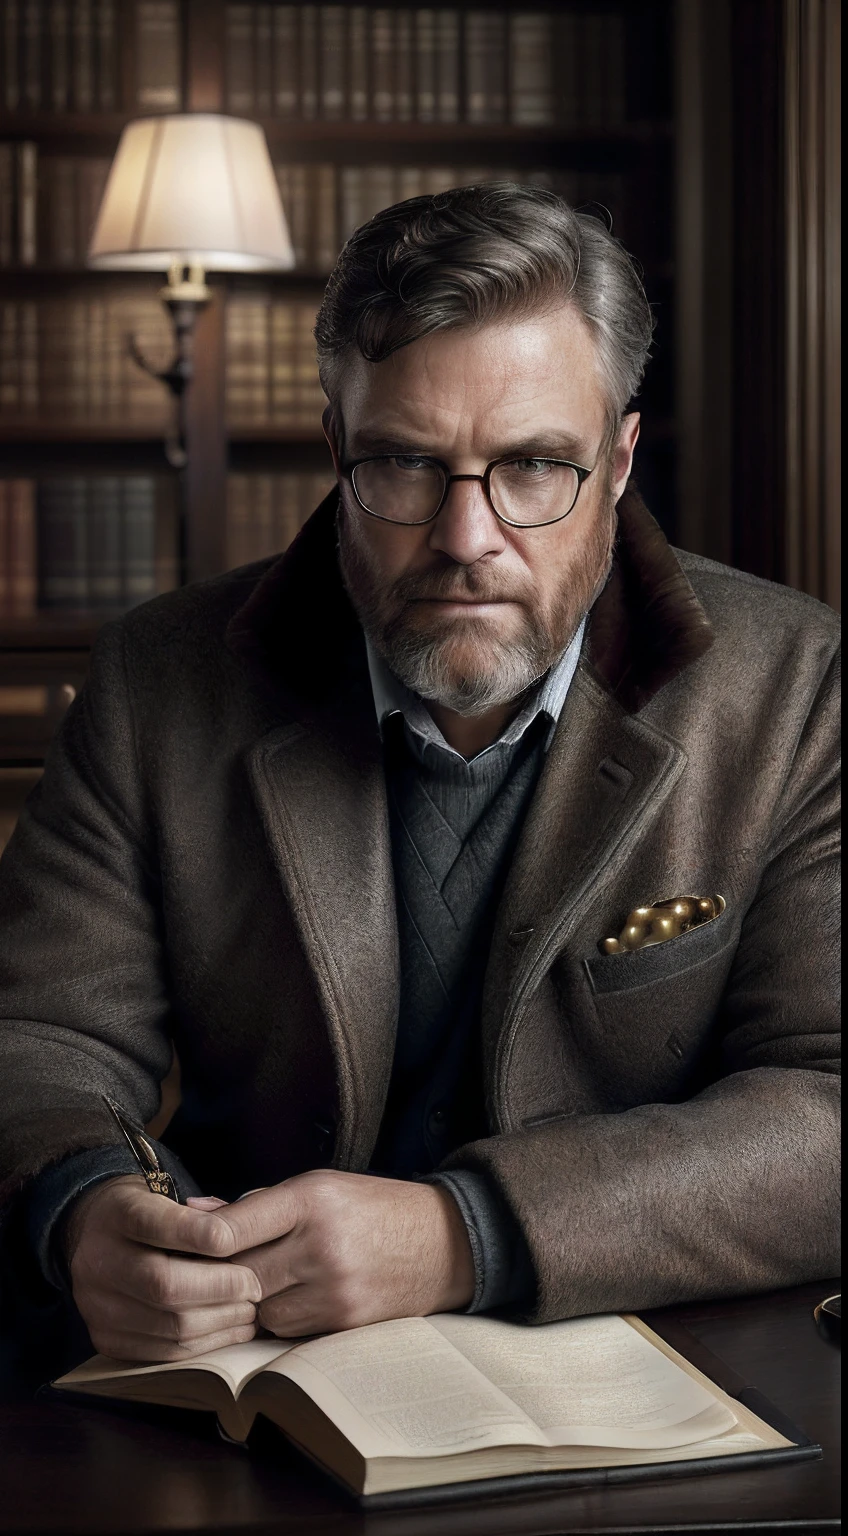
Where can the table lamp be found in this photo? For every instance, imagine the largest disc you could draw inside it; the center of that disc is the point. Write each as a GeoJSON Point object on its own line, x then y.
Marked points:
{"type": "Point", "coordinates": [187, 194]}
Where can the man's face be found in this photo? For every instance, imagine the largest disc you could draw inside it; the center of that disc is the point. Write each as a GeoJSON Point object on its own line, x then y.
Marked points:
{"type": "Point", "coordinates": [466, 610]}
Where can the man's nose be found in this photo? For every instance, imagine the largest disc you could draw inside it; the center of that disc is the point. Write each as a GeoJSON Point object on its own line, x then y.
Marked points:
{"type": "Point", "coordinates": [466, 529]}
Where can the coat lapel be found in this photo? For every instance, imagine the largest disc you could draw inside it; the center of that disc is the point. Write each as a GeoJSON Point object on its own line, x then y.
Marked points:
{"type": "Point", "coordinates": [606, 778]}
{"type": "Point", "coordinates": [319, 786]}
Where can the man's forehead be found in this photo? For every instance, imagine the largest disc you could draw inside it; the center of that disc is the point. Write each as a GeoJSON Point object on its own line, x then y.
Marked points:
{"type": "Point", "coordinates": [525, 377]}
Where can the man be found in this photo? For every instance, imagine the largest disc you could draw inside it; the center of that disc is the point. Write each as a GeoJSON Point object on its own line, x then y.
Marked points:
{"type": "Point", "coordinates": [351, 828]}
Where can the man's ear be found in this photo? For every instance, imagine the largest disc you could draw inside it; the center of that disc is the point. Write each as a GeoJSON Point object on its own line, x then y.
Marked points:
{"type": "Point", "coordinates": [622, 453]}
{"type": "Point", "coordinates": [328, 423]}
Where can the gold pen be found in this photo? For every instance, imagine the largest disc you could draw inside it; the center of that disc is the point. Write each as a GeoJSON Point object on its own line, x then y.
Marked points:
{"type": "Point", "coordinates": [158, 1181]}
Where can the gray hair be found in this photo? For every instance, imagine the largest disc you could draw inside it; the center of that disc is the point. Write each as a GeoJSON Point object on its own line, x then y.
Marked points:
{"type": "Point", "coordinates": [473, 255]}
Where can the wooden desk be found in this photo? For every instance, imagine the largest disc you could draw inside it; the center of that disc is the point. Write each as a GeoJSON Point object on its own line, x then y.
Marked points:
{"type": "Point", "coordinates": [97, 1470]}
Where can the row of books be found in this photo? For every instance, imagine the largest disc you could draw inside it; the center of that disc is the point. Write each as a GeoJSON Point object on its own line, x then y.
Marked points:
{"type": "Point", "coordinates": [66, 55]}
{"type": "Point", "coordinates": [271, 372]}
{"type": "Point", "coordinates": [266, 511]}
{"type": "Point", "coordinates": [68, 361]}
{"type": "Point", "coordinates": [531, 68]}
{"type": "Point", "coordinates": [108, 542]}
{"type": "Point", "coordinates": [86, 541]}
{"type": "Point", "coordinates": [48, 205]}
{"type": "Point", "coordinates": [325, 203]}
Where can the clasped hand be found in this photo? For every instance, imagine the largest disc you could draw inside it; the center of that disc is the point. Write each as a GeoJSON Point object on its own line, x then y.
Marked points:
{"type": "Point", "coordinates": [154, 1280]}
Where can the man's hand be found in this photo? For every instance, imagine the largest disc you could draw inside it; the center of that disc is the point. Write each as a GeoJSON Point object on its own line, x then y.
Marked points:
{"type": "Point", "coordinates": [138, 1296]}
{"type": "Point", "coordinates": [336, 1250]}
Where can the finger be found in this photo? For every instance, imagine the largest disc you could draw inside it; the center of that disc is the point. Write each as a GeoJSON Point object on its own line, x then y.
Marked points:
{"type": "Point", "coordinates": [293, 1314]}
{"type": "Point", "coordinates": [277, 1266]}
{"type": "Point", "coordinates": [161, 1223]}
{"type": "Point", "coordinates": [124, 1314]}
{"type": "Point", "coordinates": [205, 1202]}
{"type": "Point", "coordinates": [172, 1283]}
{"type": "Point", "coordinates": [261, 1216]}
{"type": "Point", "coordinates": [140, 1349]}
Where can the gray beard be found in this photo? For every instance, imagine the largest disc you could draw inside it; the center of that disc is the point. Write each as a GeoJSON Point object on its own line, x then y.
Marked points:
{"type": "Point", "coordinates": [436, 666]}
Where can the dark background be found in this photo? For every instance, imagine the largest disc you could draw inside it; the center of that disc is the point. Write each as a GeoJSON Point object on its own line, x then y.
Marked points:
{"type": "Point", "coordinates": [707, 130]}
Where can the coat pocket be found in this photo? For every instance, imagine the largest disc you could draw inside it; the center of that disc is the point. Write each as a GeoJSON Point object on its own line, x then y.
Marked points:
{"type": "Point", "coordinates": [660, 962]}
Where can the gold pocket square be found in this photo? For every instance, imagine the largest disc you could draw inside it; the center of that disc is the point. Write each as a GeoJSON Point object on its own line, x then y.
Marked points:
{"type": "Point", "coordinates": [665, 920]}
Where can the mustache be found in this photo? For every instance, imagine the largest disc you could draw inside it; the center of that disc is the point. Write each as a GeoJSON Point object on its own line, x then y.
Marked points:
{"type": "Point", "coordinates": [454, 583]}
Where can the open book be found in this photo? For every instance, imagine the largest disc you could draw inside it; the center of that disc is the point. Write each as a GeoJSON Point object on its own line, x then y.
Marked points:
{"type": "Point", "coordinates": [423, 1402]}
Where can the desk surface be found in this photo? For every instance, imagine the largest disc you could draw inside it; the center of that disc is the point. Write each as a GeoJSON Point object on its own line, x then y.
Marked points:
{"type": "Point", "coordinates": [93, 1470]}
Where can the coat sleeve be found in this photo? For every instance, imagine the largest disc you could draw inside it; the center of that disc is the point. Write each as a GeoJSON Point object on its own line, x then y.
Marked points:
{"type": "Point", "coordinates": [737, 1189]}
{"type": "Point", "coordinates": [84, 1005]}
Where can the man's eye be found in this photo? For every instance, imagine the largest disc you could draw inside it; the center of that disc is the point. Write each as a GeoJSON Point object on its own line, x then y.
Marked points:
{"type": "Point", "coordinates": [530, 466]}
{"type": "Point", "coordinates": [411, 461]}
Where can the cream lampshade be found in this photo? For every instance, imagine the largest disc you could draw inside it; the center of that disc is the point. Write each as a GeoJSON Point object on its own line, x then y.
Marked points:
{"type": "Point", "coordinates": [198, 189]}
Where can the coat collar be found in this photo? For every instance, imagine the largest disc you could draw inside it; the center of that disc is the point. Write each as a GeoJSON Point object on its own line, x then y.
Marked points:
{"type": "Point", "coordinates": [298, 630]}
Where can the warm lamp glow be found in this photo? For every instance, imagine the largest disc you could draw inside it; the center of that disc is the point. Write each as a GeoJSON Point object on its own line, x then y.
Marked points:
{"type": "Point", "coordinates": [199, 188]}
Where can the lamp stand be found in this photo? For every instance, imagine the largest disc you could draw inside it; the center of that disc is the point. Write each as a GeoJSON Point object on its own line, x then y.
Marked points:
{"type": "Point", "coordinates": [184, 295]}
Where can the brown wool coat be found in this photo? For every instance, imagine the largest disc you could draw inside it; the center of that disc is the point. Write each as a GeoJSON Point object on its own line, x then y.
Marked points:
{"type": "Point", "coordinates": [207, 860]}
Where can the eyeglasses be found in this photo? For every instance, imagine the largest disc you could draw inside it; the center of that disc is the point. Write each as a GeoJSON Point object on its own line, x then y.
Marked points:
{"type": "Point", "coordinates": [412, 489]}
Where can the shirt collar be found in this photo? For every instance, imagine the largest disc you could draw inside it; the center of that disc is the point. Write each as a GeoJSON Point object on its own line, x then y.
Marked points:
{"type": "Point", "coordinates": [391, 697]}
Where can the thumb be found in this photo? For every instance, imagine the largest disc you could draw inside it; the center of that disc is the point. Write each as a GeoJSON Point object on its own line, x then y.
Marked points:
{"type": "Point", "coordinates": [205, 1202]}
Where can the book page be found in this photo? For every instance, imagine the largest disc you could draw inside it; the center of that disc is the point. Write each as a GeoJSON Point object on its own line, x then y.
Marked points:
{"type": "Point", "coordinates": [590, 1381]}
{"type": "Point", "coordinates": [401, 1388]}
{"type": "Point", "coordinates": [235, 1364]}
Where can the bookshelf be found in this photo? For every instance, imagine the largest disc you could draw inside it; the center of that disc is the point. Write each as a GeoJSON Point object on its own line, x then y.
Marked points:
{"type": "Point", "coordinates": [361, 107]}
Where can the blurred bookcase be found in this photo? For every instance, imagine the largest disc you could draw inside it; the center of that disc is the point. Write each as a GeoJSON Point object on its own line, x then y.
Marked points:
{"type": "Point", "coordinates": [362, 106]}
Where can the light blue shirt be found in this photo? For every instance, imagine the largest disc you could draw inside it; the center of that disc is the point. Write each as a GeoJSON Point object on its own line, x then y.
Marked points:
{"type": "Point", "coordinates": [391, 697]}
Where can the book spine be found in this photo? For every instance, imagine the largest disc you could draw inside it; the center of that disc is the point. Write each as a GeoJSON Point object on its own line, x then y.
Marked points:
{"type": "Point", "coordinates": [358, 62]}
{"type": "Point", "coordinates": [447, 66]}
{"type": "Point", "coordinates": [333, 60]}
{"type": "Point", "coordinates": [410, 182]}
{"type": "Point", "coordinates": [158, 54]}
{"type": "Point", "coordinates": [308, 49]}
{"type": "Point", "coordinates": [9, 383]}
{"type": "Point", "coordinates": [29, 394]}
{"type": "Point", "coordinates": [11, 56]}
{"type": "Point", "coordinates": [82, 81]}
{"type": "Point", "coordinates": [310, 399]}
{"type": "Point", "coordinates": [531, 55]}
{"type": "Point", "coordinates": [107, 59]}
{"type": "Point", "coordinates": [59, 56]}
{"type": "Point", "coordinates": [326, 235]}
{"type": "Point", "coordinates": [104, 542]}
{"type": "Point", "coordinates": [404, 66]}
{"type": "Point", "coordinates": [284, 19]}
{"type": "Point", "coordinates": [351, 200]}
{"type": "Point", "coordinates": [283, 365]}
{"type": "Point", "coordinates": [94, 174]}
{"type": "Point", "coordinates": [241, 58]}
{"type": "Point", "coordinates": [299, 176]}
{"type": "Point", "coordinates": [21, 581]}
{"type": "Point", "coordinates": [33, 39]}
{"type": "Point", "coordinates": [139, 545]}
{"type": "Point", "coordinates": [383, 62]}
{"type": "Point", "coordinates": [425, 66]}
{"type": "Point", "coordinates": [27, 204]}
{"type": "Point", "coordinates": [7, 205]}
{"type": "Point", "coordinates": [62, 542]}
{"type": "Point", "coordinates": [263, 60]}
{"type": "Point", "coordinates": [485, 67]}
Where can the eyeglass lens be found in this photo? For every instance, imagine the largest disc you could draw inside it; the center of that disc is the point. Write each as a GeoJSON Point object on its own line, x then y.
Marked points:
{"type": "Point", "coordinates": [410, 490]}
